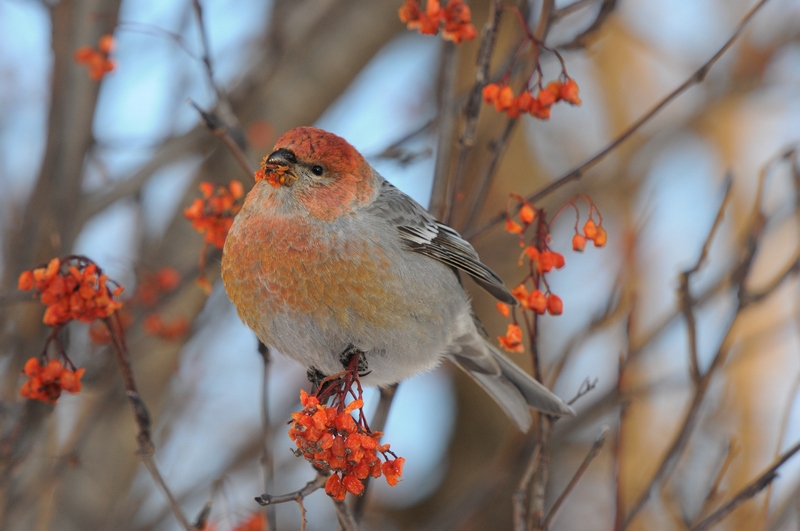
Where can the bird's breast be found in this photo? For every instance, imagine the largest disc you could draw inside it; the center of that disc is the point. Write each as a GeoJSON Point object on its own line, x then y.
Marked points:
{"type": "Point", "coordinates": [274, 266]}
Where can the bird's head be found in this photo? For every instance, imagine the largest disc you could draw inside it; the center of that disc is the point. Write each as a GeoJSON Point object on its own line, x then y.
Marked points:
{"type": "Point", "coordinates": [319, 172]}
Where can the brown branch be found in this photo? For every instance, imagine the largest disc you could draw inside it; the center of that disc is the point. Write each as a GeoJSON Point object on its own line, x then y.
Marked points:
{"type": "Point", "coordinates": [681, 439]}
{"type": "Point", "coordinates": [571, 8]}
{"type": "Point", "coordinates": [473, 107]}
{"type": "Point", "coordinates": [141, 415]}
{"type": "Point", "coordinates": [378, 424]}
{"type": "Point", "coordinates": [729, 454]}
{"type": "Point", "coordinates": [215, 124]}
{"type": "Point", "coordinates": [171, 150]}
{"type": "Point", "coordinates": [593, 451]}
{"type": "Point", "coordinates": [267, 456]}
{"type": "Point", "coordinates": [315, 484]}
{"type": "Point", "coordinates": [345, 516]}
{"type": "Point", "coordinates": [542, 475]}
{"type": "Point", "coordinates": [577, 173]}
{"type": "Point", "coordinates": [685, 300]}
{"type": "Point", "coordinates": [750, 490]}
{"type": "Point", "coordinates": [440, 205]}
{"type": "Point", "coordinates": [579, 41]}
{"type": "Point", "coordinates": [520, 495]}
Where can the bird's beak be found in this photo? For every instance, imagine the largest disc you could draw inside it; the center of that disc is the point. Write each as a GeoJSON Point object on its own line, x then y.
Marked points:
{"type": "Point", "coordinates": [278, 168]}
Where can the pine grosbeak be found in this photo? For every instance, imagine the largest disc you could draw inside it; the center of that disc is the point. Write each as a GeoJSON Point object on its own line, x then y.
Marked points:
{"type": "Point", "coordinates": [327, 256]}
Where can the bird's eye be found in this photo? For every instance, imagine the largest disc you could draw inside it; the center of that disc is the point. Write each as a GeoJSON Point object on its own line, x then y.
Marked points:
{"type": "Point", "coordinates": [317, 170]}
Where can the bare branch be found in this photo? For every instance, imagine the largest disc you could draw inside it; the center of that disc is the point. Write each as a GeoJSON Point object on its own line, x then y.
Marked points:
{"type": "Point", "coordinates": [729, 454]}
{"type": "Point", "coordinates": [685, 299]}
{"type": "Point", "coordinates": [345, 516]}
{"type": "Point", "coordinates": [577, 173]}
{"type": "Point", "coordinates": [267, 456]}
{"type": "Point", "coordinates": [581, 39]}
{"type": "Point", "coordinates": [473, 107]}
{"type": "Point", "coordinates": [141, 415]}
{"type": "Point", "coordinates": [378, 424]}
{"type": "Point", "coordinates": [520, 495]}
{"type": "Point", "coordinates": [750, 490]}
{"type": "Point", "coordinates": [593, 451]}
{"type": "Point", "coordinates": [221, 130]}
{"type": "Point", "coordinates": [315, 484]}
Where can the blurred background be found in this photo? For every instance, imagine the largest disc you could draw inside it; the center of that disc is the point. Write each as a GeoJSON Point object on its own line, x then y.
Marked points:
{"type": "Point", "coordinates": [106, 168]}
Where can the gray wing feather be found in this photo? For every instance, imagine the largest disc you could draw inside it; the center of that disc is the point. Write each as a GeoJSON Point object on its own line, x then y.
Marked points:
{"type": "Point", "coordinates": [421, 233]}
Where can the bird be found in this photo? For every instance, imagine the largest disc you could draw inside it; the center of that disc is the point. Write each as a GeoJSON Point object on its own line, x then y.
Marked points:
{"type": "Point", "coordinates": [326, 256]}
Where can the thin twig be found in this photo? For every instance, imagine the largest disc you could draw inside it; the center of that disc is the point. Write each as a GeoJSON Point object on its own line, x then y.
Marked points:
{"type": "Point", "coordinates": [439, 204]}
{"type": "Point", "coordinates": [541, 476]}
{"type": "Point", "coordinates": [738, 278]}
{"type": "Point", "coordinates": [571, 8]}
{"type": "Point", "coordinates": [473, 107]}
{"type": "Point", "coordinates": [587, 386]}
{"type": "Point", "coordinates": [141, 415]}
{"type": "Point", "coordinates": [593, 451]}
{"type": "Point", "coordinates": [577, 173]}
{"type": "Point", "coordinates": [267, 457]}
{"type": "Point", "coordinates": [579, 41]}
{"type": "Point", "coordinates": [685, 299]}
{"type": "Point", "coordinates": [223, 102]}
{"type": "Point", "coordinates": [315, 484]}
{"type": "Point", "coordinates": [520, 495]}
{"type": "Point", "coordinates": [750, 490]}
{"type": "Point", "coordinates": [730, 452]}
{"type": "Point", "coordinates": [378, 424]}
{"type": "Point", "coordinates": [216, 126]}
{"type": "Point", "coordinates": [345, 516]}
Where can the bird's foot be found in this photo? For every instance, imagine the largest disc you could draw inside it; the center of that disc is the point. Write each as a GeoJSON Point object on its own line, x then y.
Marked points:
{"type": "Point", "coordinates": [315, 376]}
{"type": "Point", "coordinates": [350, 356]}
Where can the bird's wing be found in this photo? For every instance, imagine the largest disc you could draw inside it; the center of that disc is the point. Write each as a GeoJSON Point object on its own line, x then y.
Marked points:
{"type": "Point", "coordinates": [421, 233]}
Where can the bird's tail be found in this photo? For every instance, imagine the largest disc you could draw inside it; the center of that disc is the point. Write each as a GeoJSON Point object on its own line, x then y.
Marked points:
{"type": "Point", "coordinates": [511, 387]}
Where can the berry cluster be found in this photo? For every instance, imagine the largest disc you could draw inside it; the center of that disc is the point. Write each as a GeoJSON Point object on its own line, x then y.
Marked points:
{"type": "Point", "coordinates": [212, 215]}
{"type": "Point", "coordinates": [331, 439]}
{"type": "Point", "coordinates": [538, 299]}
{"type": "Point", "coordinates": [591, 231]}
{"type": "Point", "coordinates": [97, 60]}
{"type": "Point", "coordinates": [71, 289]}
{"type": "Point", "coordinates": [453, 19]}
{"type": "Point", "coordinates": [48, 381]}
{"type": "Point", "coordinates": [538, 106]}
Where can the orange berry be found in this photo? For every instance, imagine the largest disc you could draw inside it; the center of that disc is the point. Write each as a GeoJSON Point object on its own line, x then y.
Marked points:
{"type": "Point", "coordinates": [520, 293]}
{"type": "Point", "coordinates": [505, 98]}
{"type": "Point", "coordinates": [32, 367]}
{"type": "Point", "coordinates": [569, 92]}
{"type": "Point", "coordinates": [547, 261]}
{"type": "Point", "coordinates": [554, 304]}
{"type": "Point", "coordinates": [513, 227]}
{"type": "Point", "coordinates": [601, 237]}
{"type": "Point", "coordinates": [353, 484]}
{"type": "Point", "coordinates": [106, 44]}
{"type": "Point", "coordinates": [512, 341]}
{"type": "Point", "coordinates": [490, 92]}
{"type": "Point", "coordinates": [25, 281]}
{"type": "Point", "coordinates": [168, 278]}
{"type": "Point", "coordinates": [590, 229]}
{"type": "Point", "coordinates": [524, 101]}
{"type": "Point", "coordinates": [537, 302]}
{"type": "Point", "coordinates": [334, 488]}
{"type": "Point", "coordinates": [578, 243]}
{"type": "Point", "coordinates": [503, 308]}
{"type": "Point", "coordinates": [532, 252]}
{"type": "Point", "coordinates": [550, 94]}
{"type": "Point", "coordinates": [236, 188]}
{"type": "Point", "coordinates": [558, 260]}
{"type": "Point", "coordinates": [527, 214]}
